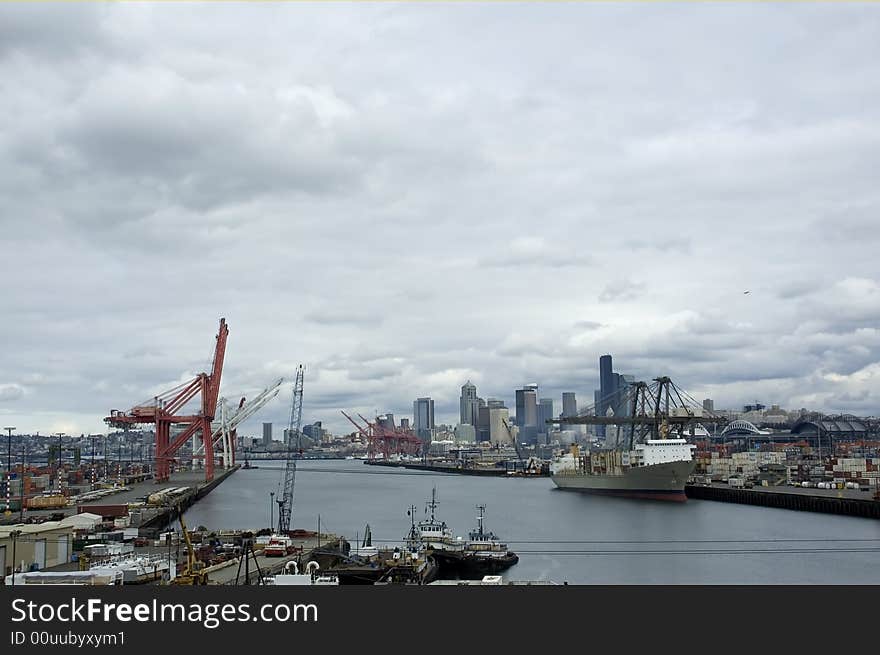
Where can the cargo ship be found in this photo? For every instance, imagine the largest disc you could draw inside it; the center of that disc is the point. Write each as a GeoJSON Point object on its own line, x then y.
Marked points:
{"type": "Point", "coordinates": [655, 469]}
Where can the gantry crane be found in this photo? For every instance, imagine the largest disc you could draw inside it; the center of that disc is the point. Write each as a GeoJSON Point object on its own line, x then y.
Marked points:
{"type": "Point", "coordinates": [285, 502]}
{"type": "Point", "coordinates": [163, 411]}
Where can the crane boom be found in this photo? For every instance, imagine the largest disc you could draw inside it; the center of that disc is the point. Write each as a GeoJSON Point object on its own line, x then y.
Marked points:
{"type": "Point", "coordinates": [513, 439]}
{"type": "Point", "coordinates": [285, 502]}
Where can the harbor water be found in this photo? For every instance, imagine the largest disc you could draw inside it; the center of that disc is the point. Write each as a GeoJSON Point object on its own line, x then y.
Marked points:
{"type": "Point", "coordinates": [561, 535]}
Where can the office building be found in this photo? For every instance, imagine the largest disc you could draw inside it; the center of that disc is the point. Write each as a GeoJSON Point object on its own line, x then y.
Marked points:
{"type": "Point", "coordinates": [465, 433]}
{"type": "Point", "coordinates": [500, 429]}
{"type": "Point", "coordinates": [469, 404]}
{"type": "Point", "coordinates": [423, 418]}
{"type": "Point", "coordinates": [569, 408]}
{"type": "Point", "coordinates": [708, 405]}
{"type": "Point", "coordinates": [267, 434]}
{"type": "Point", "coordinates": [386, 422]}
{"type": "Point", "coordinates": [569, 404]}
{"type": "Point", "coordinates": [607, 389]}
{"type": "Point", "coordinates": [482, 425]}
{"type": "Point", "coordinates": [404, 424]}
{"type": "Point", "coordinates": [545, 413]}
{"type": "Point", "coordinates": [527, 413]}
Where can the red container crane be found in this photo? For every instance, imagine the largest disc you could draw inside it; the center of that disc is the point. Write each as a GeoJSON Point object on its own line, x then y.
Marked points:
{"type": "Point", "coordinates": [162, 410]}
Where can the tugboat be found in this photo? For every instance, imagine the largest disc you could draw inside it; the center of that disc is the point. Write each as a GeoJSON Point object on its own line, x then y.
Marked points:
{"type": "Point", "coordinates": [432, 534]}
{"type": "Point", "coordinates": [409, 564]}
{"type": "Point", "coordinates": [485, 554]}
{"type": "Point", "coordinates": [482, 554]}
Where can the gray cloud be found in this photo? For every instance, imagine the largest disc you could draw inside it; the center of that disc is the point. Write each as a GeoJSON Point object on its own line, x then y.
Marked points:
{"type": "Point", "coordinates": [9, 392]}
{"type": "Point", "coordinates": [621, 290]}
{"type": "Point", "coordinates": [355, 194]}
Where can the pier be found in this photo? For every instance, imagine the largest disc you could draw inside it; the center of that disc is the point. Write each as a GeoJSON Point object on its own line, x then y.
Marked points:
{"type": "Point", "coordinates": [842, 501]}
{"type": "Point", "coordinates": [458, 470]}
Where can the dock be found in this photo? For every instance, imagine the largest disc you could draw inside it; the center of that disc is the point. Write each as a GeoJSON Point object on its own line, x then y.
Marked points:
{"type": "Point", "coordinates": [841, 501]}
{"type": "Point", "coordinates": [485, 471]}
{"type": "Point", "coordinates": [225, 574]}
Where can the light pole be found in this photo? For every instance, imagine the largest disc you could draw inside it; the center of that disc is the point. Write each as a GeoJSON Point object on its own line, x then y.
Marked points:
{"type": "Point", "coordinates": [92, 438]}
{"type": "Point", "coordinates": [8, 469]}
{"type": "Point", "coordinates": [24, 454]}
{"type": "Point", "coordinates": [271, 511]}
{"type": "Point", "coordinates": [58, 461]}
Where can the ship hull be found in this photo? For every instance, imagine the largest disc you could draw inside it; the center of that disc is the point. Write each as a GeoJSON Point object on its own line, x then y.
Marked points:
{"type": "Point", "coordinates": [471, 566]}
{"type": "Point", "coordinates": [657, 482]}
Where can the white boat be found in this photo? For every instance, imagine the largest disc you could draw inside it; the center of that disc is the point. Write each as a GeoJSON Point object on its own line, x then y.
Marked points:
{"type": "Point", "coordinates": [137, 570]}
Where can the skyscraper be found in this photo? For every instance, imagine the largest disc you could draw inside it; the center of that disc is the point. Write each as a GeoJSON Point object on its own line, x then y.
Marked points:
{"type": "Point", "coordinates": [469, 404]}
{"type": "Point", "coordinates": [423, 418]}
{"type": "Point", "coordinates": [569, 404]}
{"type": "Point", "coordinates": [499, 424]}
{"type": "Point", "coordinates": [267, 434]}
{"type": "Point", "coordinates": [708, 405]}
{"type": "Point", "coordinates": [607, 389]}
{"type": "Point", "coordinates": [386, 421]}
{"type": "Point", "coordinates": [527, 413]}
{"type": "Point", "coordinates": [545, 413]}
{"type": "Point", "coordinates": [622, 407]}
{"type": "Point", "coordinates": [483, 423]}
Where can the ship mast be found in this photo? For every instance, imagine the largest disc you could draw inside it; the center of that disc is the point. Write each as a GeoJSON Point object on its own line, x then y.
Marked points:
{"type": "Point", "coordinates": [482, 509]}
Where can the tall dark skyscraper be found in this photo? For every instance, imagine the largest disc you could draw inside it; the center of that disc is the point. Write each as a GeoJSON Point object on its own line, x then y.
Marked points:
{"type": "Point", "coordinates": [607, 389]}
{"type": "Point", "coordinates": [545, 413]}
{"type": "Point", "coordinates": [569, 407]}
{"type": "Point", "coordinates": [423, 419]}
{"type": "Point", "coordinates": [569, 404]}
{"type": "Point", "coordinates": [527, 413]}
{"type": "Point", "coordinates": [483, 423]}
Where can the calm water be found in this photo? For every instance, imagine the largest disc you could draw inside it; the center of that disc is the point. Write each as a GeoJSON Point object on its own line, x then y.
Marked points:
{"type": "Point", "coordinates": [566, 536]}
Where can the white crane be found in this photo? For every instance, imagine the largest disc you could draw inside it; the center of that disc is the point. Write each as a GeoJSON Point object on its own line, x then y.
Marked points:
{"type": "Point", "coordinates": [224, 429]}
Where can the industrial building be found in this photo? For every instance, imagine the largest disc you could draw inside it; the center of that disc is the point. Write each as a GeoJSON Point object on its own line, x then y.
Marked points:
{"type": "Point", "coordinates": [36, 546]}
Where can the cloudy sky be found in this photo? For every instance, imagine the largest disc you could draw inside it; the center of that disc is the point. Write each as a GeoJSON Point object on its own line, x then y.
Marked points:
{"type": "Point", "coordinates": [407, 197]}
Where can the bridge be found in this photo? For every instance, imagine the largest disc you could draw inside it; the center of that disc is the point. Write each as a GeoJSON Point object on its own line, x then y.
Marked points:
{"type": "Point", "coordinates": [742, 428]}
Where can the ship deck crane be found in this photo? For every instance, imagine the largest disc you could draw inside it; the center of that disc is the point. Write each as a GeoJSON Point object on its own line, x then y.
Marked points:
{"type": "Point", "coordinates": [285, 502]}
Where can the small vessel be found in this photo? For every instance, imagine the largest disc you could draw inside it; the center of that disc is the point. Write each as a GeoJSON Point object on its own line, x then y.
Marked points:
{"type": "Point", "coordinates": [656, 469]}
{"type": "Point", "coordinates": [482, 554]}
{"type": "Point", "coordinates": [432, 534]}
{"type": "Point", "coordinates": [366, 548]}
{"type": "Point", "coordinates": [409, 564]}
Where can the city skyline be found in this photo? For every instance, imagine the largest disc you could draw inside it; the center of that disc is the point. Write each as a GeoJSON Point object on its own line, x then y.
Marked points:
{"type": "Point", "coordinates": [403, 224]}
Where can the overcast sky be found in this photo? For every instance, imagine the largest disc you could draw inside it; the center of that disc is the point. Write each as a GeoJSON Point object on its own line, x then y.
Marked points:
{"type": "Point", "coordinates": [407, 197]}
